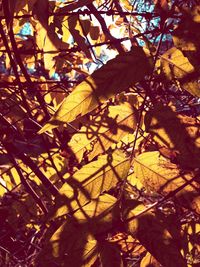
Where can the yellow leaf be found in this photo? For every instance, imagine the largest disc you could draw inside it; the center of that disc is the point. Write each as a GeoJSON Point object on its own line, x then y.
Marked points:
{"type": "Point", "coordinates": [128, 244]}
{"type": "Point", "coordinates": [65, 29]}
{"type": "Point", "coordinates": [117, 75]}
{"type": "Point", "coordinates": [104, 131]}
{"type": "Point", "coordinates": [73, 243]}
{"type": "Point", "coordinates": [177, 67]}
{"type": "Point", "coordinates": [158, 174]}
{"type": "Point", "coordinates": [92, 180]}
{"type": "Point", "coordinates": [149, 260]}
{"type": "Point", "coordinates": [3, 190]}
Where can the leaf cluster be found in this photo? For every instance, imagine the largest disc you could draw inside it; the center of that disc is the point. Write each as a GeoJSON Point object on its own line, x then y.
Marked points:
{"type": "Point", "coordinates": [99, 133]}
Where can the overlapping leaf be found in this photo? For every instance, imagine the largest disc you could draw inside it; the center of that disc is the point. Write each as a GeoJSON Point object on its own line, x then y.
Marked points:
{"type": "Point", "coordinates": [92, 180]}
{"type": "Point", "coordinates": [76, 28]}
{"type": "Point", "coordinates": [177, 132]}
{"type": "Point", "coordinates": [104, 131]}
{"type": "Point", "coordinates": [117, 75]}
{"type": "Point", "coordinates": [154, 236]}
{"type": "Point", "coordinates": [81, 228]}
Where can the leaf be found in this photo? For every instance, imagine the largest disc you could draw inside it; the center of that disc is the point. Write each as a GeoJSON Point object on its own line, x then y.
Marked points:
{"type": "Point", "coordinates": [92, 180]}
{"type": "Point", "coordinates": [86, 25]}
{"type": "Point", "coordinates": [161, 5]}
{"type": "Point", "coordinates": [149, 261]}
{"type": "Point", "coordinates": [158, 174]}
{"type": "Point", "coordinates": [117, 75]}
{"type": "Point", "coordinates": [45, 35]}
{"type": "Point", "coordinates": [154, 236]}
{"type": "Point", "coordinates": [128, 244]}
{"type": "Point", "coordinates": [177, 67]}
{"type": "Point", "coordinates": [105, 130]}
{"type": "Point", "coordinates": [186, 35]}
{"type": "Point", "coordinates": [177, 132]}
{"type": "Point", "coordinates": [73, 243]}
{"type": "Point", "coordinates": [75, 28]}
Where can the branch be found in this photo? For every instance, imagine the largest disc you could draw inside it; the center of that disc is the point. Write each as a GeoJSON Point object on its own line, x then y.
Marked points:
{"type": "Point", "coordinates": [14, 67]}
{"type": "Point", "coordinates": [147, 15]}
{"type": "Point", "coordinates": [102, 22]}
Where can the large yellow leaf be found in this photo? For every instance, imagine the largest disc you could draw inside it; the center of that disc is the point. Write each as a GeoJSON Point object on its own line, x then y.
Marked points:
{"type": "Point", "coordinates": [107, 129]}
{"type": "Point", "coordinates": [177, 67]}
{"type": "Point", "coordinates": [92, 180]}
{"type": "Point", "coordinates": [177, 132]}
{"type": "Point", "coordinates": [74, 243]}
{"type": "Point", "coordinates": [158, 174]}
{"type": "Point", "coordinates": [115, 76]}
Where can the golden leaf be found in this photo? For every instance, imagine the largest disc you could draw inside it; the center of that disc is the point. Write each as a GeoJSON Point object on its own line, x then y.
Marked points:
{"type": "Point", "coordinates": [117, 75]}
{"type": "Point", "coordinates": [91, 180]}
{"type": "Point", "coordinates": [104, 131]}
{"type": "Point", "coordinates": [158, 174]}
{"type": "Point", "coordinates": [177, 67]}
{"type": "Point", "coordinates": [73, 243]}
{"type": "Point", "coordinates": [149, 260]}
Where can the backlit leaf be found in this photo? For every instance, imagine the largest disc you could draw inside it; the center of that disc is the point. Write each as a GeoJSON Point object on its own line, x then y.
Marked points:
{"type": "Point", "coordinates": [104, 131]}
{"type": "Point", "coordinates": [149, 260]}
{"type": "Point", "coordinates": [74, 244]}
{"type": "Point", "coordinates": [117, 75]}
{"type": "Point", "coordinates": [158, 174]}
{"type": "Point", "coordinates": [177, 67]}
{"type": "Point", "coordinates": [93, 179]}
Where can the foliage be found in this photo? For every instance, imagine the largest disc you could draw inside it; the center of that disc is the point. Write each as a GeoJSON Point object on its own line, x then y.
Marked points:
{"type": "Point", "coordinates": [99, 132]}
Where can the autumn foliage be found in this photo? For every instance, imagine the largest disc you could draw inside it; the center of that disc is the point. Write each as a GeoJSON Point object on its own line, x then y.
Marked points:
{"type": "Point", "coordinates": [99, 133]}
